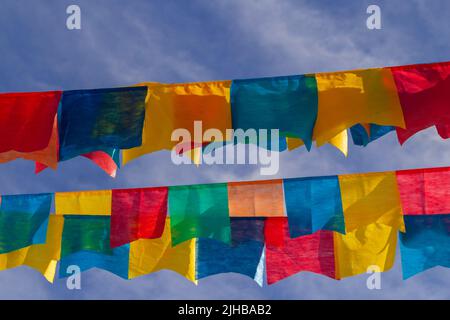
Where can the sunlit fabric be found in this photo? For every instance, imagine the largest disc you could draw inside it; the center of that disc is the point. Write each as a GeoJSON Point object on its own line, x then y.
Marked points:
{"type": "Point", "coordinates": [47, 156]}
{"type": "Point", "coordinates": [352, 97]}
{"type": "Point", "coordinates": [23, 220]}
{"type": "Point", "coordinates": [285, 103]}
{"type": "Point", "coordinates": [41, 257]}
{"type": "Point", "coordinates": [199, 211]}
{"type": "Point", "coordinates": [424, 92]}
{"type": "Point", "coordinates": [105, 161]}
{"type": "Point", "coordinates": [86, 233]}
{"type": "Point", "coordinates": [26, 120]}
{"type": "Point", "coordinates": [424, 191]}
{"type": "Point", "coordinates": [313, 204]}
{"type": "Point", "coordinates": [243, 256]}
{"type": "Point", "coordinates": [84, 202]}
{"type": "Point", "coordinates": [137, 213]}
{"type": "Point", "coordinates": [86, 244]}
{"type": "Point", "coordinates": [426, 243]}
{"type": "Point", "coordinates": [286, 256]}
{"type": "Point", "coordinates": [362, 138]}
{"type": "Point", "coordinates": [108, 160]}
{"type": "Point", "coordinates": [364, 247]}
{"type": "Point", "coordinates": [95, 120]}
{"type": "Point", "coordinates": [152, 255]}
{"type": "Point", "coordinates": [340, 142]}
{"type": "Point", "coordinates": [177, 106]}
{"type": "Point", "coordinates": [256, 198]}
{"type": "Point", "coordinates": [371, 197]}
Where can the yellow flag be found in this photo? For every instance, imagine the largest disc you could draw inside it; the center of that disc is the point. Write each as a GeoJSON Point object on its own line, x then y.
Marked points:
{"type": "Point", "coordinates": [361, 96]}
{"type": "Point", "coordinates": [371, 245]}
{"type": "Point", "coordinates": [42, 257]}
{"type": "Point", "coordinates": [340, 141]}
{"type": "Point", "coordinates": [152, 255]}
{"type": "Point", "coordinates": [177, 106]}
{"type": "Point", "coordinates": [369, 198]}
{"type": "Point", "coordinates": [84, 202]}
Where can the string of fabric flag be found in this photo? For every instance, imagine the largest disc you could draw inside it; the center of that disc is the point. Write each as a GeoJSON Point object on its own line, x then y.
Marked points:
{"type": "Point", "coordinates": [55, 126]}
{"type": "Point", "coordinates": [336, 226]}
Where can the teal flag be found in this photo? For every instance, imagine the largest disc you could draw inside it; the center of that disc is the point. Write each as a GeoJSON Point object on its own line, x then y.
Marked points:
{"type": "Point", "coordinates": [199, 211]}
{"type": "Point", "coordinates": [23, 220]}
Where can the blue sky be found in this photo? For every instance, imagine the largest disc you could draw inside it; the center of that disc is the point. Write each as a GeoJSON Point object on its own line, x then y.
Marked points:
{"type": "Point", "coordinates": [125, 42]}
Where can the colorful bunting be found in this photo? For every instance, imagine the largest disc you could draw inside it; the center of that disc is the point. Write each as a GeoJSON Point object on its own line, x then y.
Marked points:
{"type": "Point", "coordinates": [218, 228]}
{"type": "Point", "coordinates": [424, 92]}
{"type": "Point", "coordinates": [425, 244]}
{"type": "Point", "coordinates": [285, 103]}
{"type": "Point", "coordinates": [244, 256]}
{"type": "Point", "coordinates": [148, 256]}
{"type": "Point", "coordinates": [47, 127]}
{"type": "Point", "coordinates": [256, 198]}
{"type": "Point", "coordinates": [313, 204]}
{"type": "Point", "coordinates": [424, 191]}
{"type": "Point", "coordinates": [95, 120]}
{"type": "Point", "coordinates": [199, 211]}
{"type": "Point", "coordinates": [23, 220]}
{"type": "Point", "coordinates": [286, 256]}
{"type": "Point", "coordinates": [137, 213]}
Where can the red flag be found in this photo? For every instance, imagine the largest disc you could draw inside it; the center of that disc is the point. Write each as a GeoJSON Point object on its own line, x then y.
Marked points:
{"type": "Point", "coordinates": [424, 92]}
{"type": "Point", "coordinates": [137, 213]}
{"type": "Point", "coordinates": [286, 256]}
{"type": "Point", "coordinates": [26, 120]}
{"type": "Point", "coordinates": [424, 191]}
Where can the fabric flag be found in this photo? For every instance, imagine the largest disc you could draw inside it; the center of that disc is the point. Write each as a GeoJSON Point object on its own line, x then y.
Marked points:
{"type": "Point", "coordinates": [256, 198]}
{"type": "Point", "coordinates": [286, 256]}
{"type": "Point", "coordinates": [84, 202]}
{"type": "Point", "coordinates": [364, 247]}
{"type": "Point", "coordinates": [243, 256]}
{"type": "Point", "coordinates": [108, 161]}
{"type": "Point", "coordinates": [368, 198]}
{"type": "Point", "coordinates": [285, 103]}
{"type": "Point", "coordinates": [424, 191]}
{"type": "Point", "coordinates": [199, 211]}
{"type": "Point", "coordinates": [352, 97]}
{"type": "Point", "coordinates": [41, 257]}
{"type": "Point", "coordinates": [26, 120]}
{"type": "Point", "coordinates": [424, 92]}
{"type": "Point", "coordinates": [152, 255]}
{"type": "Point", "coordinates": [177, 106]}
{"type": "Point", "coordinates": [95, 120]}
{"type": "Point", "coordinates": [425, 244]}
{"type": "Point", "coordinates": [48, 156]}
{"type": "Point", "coordinates": [23, 220]}
{"type": "Point", "coordinates": [137, 213]}
{"type": "Point", "coordinates": [85, 243]}
{"type": "Point", "coordinates": [313, 204]}
{"type": "Point", "coordinates": [340, 141]}
{"type": "Point", "coordinates": [362, 137]}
